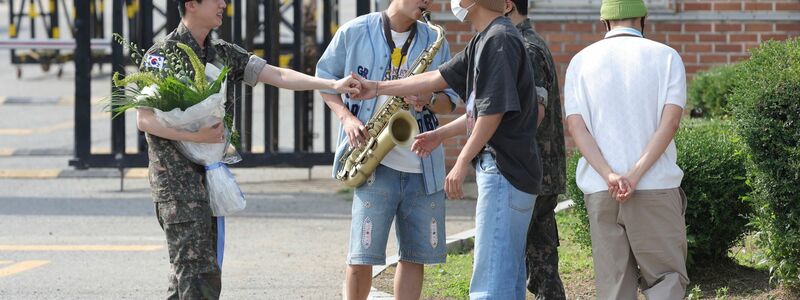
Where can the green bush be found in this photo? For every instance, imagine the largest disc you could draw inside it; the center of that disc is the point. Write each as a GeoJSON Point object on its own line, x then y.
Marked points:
{"type": "Point", "coordinates": [709, 91]}
{"type": "Point", "coordinates": [714, 181]}
{"type": "Point", "coordinates": [581, 236]}
{"type": "Point", "coordinates": [713, 161]}
{"type": "Point", "coordinates": [766, 111]}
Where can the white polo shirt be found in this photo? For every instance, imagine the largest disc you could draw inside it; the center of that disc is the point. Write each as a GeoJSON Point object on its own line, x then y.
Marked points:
{"type": "Point", "coordinates": [620, 86]}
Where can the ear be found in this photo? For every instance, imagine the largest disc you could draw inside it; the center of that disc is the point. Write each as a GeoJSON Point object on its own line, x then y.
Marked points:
{"type": "Point", "coordinates": [509, 7]}
{"type": "Point", "coordinates": [190, 5]}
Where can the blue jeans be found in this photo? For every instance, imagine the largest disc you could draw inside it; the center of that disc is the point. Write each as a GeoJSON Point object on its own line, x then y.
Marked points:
{"type": "Point", "coordinates": [501, 224]}
{"type": "Point", "coordinates": [419, 219]}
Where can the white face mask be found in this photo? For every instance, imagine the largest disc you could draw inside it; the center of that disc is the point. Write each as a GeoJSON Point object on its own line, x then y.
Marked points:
{"type": "Point", "coordinates": [458, 11]}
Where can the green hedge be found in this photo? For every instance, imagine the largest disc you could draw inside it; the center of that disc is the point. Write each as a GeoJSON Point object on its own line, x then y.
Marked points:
{"type": "Point", "coordinates": [581, 236]}
{"type": "Point", "coordinates": [766, 111]}
{"type": "Point", "coordinates": [709, 91]}
{"type": "Point", "coordinates": [713, 161]}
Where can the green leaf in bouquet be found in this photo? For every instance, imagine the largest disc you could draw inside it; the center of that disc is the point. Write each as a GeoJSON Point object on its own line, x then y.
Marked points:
{"type": "Point", "coordinates": [127, 98]}
{"type": "Point", "coordinates": [141, 79]}
{"type": "Point", "coordinates": [217, 84]}
{"type": "Point", "coordinates": [199, 68]}
{"type": "Point", "coordinates": [177, 65]}
{"type": "Point", "coordinates": [175, 87]}
{"type": "Point", "coordinates": [176, 94]}
{"type": "Point", "coordinates": [135, 52]}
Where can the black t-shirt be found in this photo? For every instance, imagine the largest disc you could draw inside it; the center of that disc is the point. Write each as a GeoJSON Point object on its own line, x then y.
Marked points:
{"type": "Point", "coordinates": [494, 73]}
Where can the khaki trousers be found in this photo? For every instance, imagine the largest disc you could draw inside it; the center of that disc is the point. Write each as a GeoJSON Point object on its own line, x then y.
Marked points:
{"type": "Point", "coordinates": [647, 231]}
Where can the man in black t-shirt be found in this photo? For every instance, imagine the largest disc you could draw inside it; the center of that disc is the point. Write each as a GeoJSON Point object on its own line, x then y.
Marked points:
{"type": "Point", "coordinates": [541, 252]}
{"type": "Point", "coordinates": [494, 73]}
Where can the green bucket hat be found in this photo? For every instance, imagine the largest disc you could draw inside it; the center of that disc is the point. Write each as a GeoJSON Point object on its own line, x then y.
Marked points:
{"type": "Point", "coordinates": [622, 9]}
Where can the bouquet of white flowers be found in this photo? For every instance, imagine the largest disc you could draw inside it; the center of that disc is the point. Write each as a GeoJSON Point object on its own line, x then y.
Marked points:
{"type": "Point", "coordinates": [189, 104]}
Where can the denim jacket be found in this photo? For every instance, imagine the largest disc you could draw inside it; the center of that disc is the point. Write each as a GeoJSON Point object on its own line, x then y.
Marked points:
{"type": "Point", "coordinates": [360, 46]}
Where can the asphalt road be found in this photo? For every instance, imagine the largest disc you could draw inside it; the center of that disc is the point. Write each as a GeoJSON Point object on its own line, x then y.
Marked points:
{"type": "Point", "coordinates": [83, 239]}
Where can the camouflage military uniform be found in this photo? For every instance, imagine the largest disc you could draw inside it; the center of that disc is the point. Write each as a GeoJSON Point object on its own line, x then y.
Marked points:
{"type": "Point", "coordinates": [542, 245]}
{"type": "Point", "coordinates": [178, 185]}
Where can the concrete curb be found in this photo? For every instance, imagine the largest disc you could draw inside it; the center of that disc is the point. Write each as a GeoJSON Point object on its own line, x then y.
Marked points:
{"type": "Point", "coordinates": [457, 243]}
{"type": "Point", "coordinates": [378, 295]}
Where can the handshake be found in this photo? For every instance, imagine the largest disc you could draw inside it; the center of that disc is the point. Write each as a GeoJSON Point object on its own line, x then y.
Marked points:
{"type": "Point", "coordinates": [368, 89]}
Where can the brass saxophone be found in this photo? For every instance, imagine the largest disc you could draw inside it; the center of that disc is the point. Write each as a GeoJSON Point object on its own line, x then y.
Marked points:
{"type": "Point", "coordinates": [392, 125]}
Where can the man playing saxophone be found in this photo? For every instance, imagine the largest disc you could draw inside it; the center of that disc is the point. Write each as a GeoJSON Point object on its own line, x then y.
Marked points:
{"type": "Point", "coordinates": [404, 187]}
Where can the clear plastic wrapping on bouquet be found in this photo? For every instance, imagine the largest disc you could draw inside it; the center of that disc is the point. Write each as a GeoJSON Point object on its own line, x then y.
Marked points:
{"type": "Point", "coordinates": [224, 193]}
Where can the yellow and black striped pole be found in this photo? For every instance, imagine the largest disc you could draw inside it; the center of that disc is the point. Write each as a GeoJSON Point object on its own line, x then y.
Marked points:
{"type": "Point", "coordinates": [55, 33]}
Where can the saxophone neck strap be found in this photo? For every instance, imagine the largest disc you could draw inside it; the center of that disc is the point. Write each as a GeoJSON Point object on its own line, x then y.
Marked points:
{"type": "Point", "coordinates": [387, 32]}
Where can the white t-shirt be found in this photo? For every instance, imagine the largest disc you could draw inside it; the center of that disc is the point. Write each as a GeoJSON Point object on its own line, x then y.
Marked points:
{"type": "Point", "coordinates": [619, 86]}
{"type": "Point", "coordinates": [400, 158]}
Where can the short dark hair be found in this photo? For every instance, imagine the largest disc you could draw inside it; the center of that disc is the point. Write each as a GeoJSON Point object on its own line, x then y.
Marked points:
{"type": "Point", "coordinates": [182, 5]}
{"type": "Point", "coordinates": [522, 6]}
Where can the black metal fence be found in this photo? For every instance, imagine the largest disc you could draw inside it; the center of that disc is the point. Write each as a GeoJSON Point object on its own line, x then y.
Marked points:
{"type": "Point", "coordinates": [263, 18]}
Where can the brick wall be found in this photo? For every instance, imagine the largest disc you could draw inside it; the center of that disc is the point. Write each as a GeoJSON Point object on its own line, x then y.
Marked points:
{"type": "Point", "coordinates": [706, 33]}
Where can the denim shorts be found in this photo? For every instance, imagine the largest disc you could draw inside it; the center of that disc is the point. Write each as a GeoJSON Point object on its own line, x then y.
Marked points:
{"type": "Point", "coordinates": [419, 219]}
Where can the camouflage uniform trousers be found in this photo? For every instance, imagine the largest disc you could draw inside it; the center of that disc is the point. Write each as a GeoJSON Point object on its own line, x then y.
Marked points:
{"type": "Point", "coordinates": [541, 253]}
{"type": "Point", "coordinates": [192, 246]}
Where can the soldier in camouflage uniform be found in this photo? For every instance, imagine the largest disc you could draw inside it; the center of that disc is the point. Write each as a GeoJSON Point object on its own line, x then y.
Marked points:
{"type": "Point", "coordinates": [542, 245]}
{"type": "Point", "coordinates": [178, 185]}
